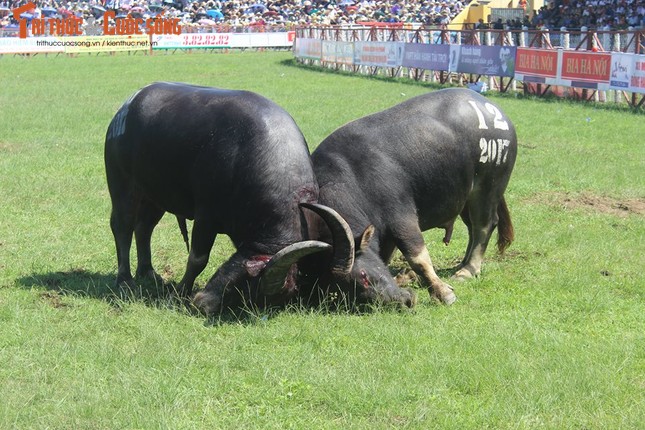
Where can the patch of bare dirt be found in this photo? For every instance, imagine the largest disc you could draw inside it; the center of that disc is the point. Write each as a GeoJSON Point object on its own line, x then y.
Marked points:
{"type": "Point", "coordinates": [167, 273]}
{"type": "Point", "coordinates": [54, 299]}
{"type": "Point", "coordinates": [588, 201]}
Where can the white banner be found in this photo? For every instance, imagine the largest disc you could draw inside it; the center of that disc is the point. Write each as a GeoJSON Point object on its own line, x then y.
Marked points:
{"type": "Point", "coordinates": [263, 40]}
{"type": "Point", "coordinates": [308, 48]}
{"type": "Point", "coordinates": [379, 54]}
{"type": "Point", "coordinates": [30, 45]}
{"type": "Point", "coordinates": [338, 52]}
{"type": "Point", "coordinates": [223, 40]}
{"type": "Point", "coordinates": [627, 72]}
{"type": "Point", "coordinates": [191, 40]}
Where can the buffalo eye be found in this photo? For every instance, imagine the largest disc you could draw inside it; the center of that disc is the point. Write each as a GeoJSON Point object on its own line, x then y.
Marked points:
{"type": "Point", "coordinates": [365, 280]}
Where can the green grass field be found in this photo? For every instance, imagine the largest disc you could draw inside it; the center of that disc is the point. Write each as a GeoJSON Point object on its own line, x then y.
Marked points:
{"type": "Point", "coordinates": [552, 335]}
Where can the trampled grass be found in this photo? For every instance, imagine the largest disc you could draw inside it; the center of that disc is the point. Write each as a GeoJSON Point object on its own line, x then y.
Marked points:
{"type": "Point", "coordinates": [550, 336]}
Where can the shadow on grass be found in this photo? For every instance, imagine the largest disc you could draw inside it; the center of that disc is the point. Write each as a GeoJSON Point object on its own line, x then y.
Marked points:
{"type": "Point", "coordinates": [75, 282]}
{"type": "Point", "coordinates": [99, 286]}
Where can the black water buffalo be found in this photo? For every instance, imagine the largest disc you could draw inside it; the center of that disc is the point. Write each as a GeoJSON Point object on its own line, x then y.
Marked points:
{"type": "Point", "coordinates": [234, 162]}
{"type": "Point", "coordinates": [417, 166]}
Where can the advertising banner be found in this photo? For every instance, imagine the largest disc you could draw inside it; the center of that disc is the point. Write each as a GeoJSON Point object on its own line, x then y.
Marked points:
{"type": "Point", "coordinates": [426, 56]}
{"type": "Point", "coordinates": [223, 40]}
{"type": "Point", "coordinates": [581, 69]}
{"type": "Point", "coordinates": [31, 45]}
{"type": "Point", "coordinates": [379, 54]}
{"type": "Point", "coordinates": [585, 69]}
{"type": "Point", "coordinates": [308, 48]}
{"type": "Point", "coordinates": [536, 65]}
{"type": "Point", "coordinates": [637, 82]}
{"type": "Point", "coordinates": [338, 52]}
{"type": "Point", "coordinates": [622, 68]}
{"type": "Point", "coordinates": [78, 44]}
{"type": "Point", "coordinates": [280, 39]}
{"type": "Point", "coordinates": [191, 41]}
{"type": "Point", "coordinates": [483, 60]}
{"type": "Point", "coordinates": [627, 72]}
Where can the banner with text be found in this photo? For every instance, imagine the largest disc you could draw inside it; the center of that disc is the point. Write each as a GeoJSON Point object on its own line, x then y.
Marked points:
{"type": "Point", "coordinates": [191, 41]}
{"type": "Point", "coordinates": [338, 52]}
{"type": "Point", "coordinates": [279, 39]}
{"type": "Point", "coordinates": [78, 44]}
{"type": "Point", "coordinates": [584, 69]}
{"type": "Point", "coordinates": [223, 40]}
{"type": "Point", "coordinates": [73, 44]}
{"type": "Point", "coordinates": [627, 72]}
{"type": "Point", "coordinates": [536, 65]}
{"type": "Point", "coordinates": [308, 48]}
{"type": "Point", "coordinates": [483, 60]}
{"type": "Point", "coordinates": [426, 56]}
{"type": "Point", "coordinates": [31, 45]}
{"type": "Point", "coordinates": [378, 54]}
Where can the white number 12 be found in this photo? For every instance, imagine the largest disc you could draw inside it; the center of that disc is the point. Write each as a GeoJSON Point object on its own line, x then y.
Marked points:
{"type": "Point", "coordinates": [498, 121]}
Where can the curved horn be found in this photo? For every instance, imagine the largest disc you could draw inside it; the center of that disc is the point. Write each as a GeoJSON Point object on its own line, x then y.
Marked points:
{"type": "Point", "coordinates": [276, 270]}
{"type": "Point", "coordinates": [343, 240]}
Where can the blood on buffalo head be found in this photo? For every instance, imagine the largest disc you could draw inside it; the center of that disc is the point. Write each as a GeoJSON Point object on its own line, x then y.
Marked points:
{"type": "Point", "coordinates": [350, 267]}
{"type": "Point", "coordinates": [257, 280]}
{"type": "Point", "coordinates": [314, 270]}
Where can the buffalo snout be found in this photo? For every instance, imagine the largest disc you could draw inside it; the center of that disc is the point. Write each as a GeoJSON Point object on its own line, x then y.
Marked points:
{"type": "Point", "coordinates": [395, 296]}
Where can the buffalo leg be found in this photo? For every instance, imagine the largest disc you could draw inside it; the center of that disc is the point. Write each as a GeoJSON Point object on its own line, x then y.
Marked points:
{"type": "Point", "coordinates": [122, 230]}
{"type": "Point", "coordinates": [465, 217]}
{"type": "Point", "coordinates": [148, 217]}
{"type": "Point", "coordinates": [122, 221]}
{"type": "Point", "coordinates": [202, 240]}
{"type": "Point", "coordinates": [481, 221]}
{"type": "Point", "coordinates": [415, 252]}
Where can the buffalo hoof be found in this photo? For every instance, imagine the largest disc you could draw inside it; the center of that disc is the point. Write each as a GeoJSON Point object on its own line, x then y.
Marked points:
{"type": "Point", "coordinates": [463, 274]}
{"type": "Point", "coordinates": [151, 275]}
{"type": "Point", "coordinates": [126, 289]}
{"type": "Point", "coordinates": [207, 302]}
{"type": "Point", "coordinates": [126, 285]}
{"type": "Point", "coordinates": [443, 293]}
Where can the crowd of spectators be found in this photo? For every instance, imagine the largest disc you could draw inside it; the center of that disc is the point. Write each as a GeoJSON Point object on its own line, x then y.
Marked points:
{"type": "Point", "coordinates": [592, 14]}
{"type": "Point", "coordinates": [259, 12]}
{"type": "Point", "coordinates": [572, 14]}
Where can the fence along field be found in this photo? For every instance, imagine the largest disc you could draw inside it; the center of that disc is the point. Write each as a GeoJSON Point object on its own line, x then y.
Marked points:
{"type": "Point", "coordinates": [550, 336]}
{"type": "Point", "coordinates": [588, 64]}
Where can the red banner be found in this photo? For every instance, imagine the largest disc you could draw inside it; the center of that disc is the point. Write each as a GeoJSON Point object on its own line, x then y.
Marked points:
{"type": "Point", "coordinates": [537, 62]}
{"type": "Point", "coordinates": [586, 66]}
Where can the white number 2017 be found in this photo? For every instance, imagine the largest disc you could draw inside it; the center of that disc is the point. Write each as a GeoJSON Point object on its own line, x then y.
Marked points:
{"type": "Point", "coordinates": [493, 150]}
{"type": "Point", "coordinates": [498, 119]}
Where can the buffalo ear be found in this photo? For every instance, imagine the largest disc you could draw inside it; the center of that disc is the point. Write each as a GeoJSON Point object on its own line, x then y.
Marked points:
{"type": "Point", "coordinates": [366, 237]}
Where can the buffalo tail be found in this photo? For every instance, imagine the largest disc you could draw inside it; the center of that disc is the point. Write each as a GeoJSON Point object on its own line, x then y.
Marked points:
{"type": "Point", "coordinates": [184, 231]}
{"type": "Point", "coordinates": [505, 231]}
